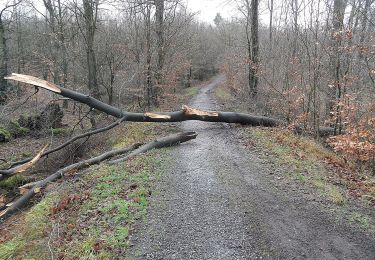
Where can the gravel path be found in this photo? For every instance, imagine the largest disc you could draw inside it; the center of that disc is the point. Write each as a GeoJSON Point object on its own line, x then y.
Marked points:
{"type": "Point", "coordinates": [217, 203]}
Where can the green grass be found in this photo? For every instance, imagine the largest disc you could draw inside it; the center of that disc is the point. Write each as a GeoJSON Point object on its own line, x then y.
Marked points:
{"type": "Point", "coordinates": [372, 191]}
{"type": "Point", "coordinates": [120, 196]}
{"type": "Point", "coordinates": [222, 93]}
{"type": "Point", "coordinates": [29, 242]}
{"type": "Point", "coordinates": [132, 133]}
{"type": "Point", "coordinates": [190, 92]}
{"type": "Point", "coordinates": [304, 158]}
{"type": "Point", "coordinates": [361, 219]}
{"type": "Point", "coordinates": [96, 226]}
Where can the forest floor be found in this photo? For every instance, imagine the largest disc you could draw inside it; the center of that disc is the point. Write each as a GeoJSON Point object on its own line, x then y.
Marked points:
{"type": "Point", "coordinates": [225, 199]}
{"type": "Point", "coordinates": [235, 192]}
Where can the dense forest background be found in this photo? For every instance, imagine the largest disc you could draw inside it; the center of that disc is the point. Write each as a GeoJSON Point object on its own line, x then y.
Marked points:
{"type": "Point", "coordinates": [306, 62]}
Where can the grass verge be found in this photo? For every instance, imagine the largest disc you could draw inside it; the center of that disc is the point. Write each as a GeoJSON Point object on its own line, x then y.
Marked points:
{"type": "Point", "coordinates": [91, 216]}
{"type": "Point", "coordinates": [307, 162]}
{"type": "Point", "coordinates": [303, 158]}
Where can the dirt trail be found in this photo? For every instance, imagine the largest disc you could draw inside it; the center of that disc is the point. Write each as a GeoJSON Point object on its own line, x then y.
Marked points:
{"type": "Point", "coordinates": [217, 203]}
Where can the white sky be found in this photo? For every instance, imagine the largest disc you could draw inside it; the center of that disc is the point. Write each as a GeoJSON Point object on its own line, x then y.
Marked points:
{"type": "Point", "coordinates": [209, 8]}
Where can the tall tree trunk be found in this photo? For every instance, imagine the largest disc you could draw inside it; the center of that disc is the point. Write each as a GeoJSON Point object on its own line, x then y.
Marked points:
{"type": "Point", "coordinates": [335, 89]}
{"type": "Point", "coordinates": [271, 23]}
{"type": "Point", "coordinates": [148, 85]}
{"type": "Point", "coordinates": [159, 14]}
{"type": "Point", "coordinates": [3, 61]}
{"type": "Point", "coordinates": [90, 9]}
{"type": "Point", "coordinates": [364, 21]}
{"type": "Point", "coordinates": [253, 77]}
{"type": "Point", "coordinates": [63, 50]}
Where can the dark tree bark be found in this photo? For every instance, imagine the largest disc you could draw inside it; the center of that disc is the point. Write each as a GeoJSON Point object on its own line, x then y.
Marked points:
{"type": "Point", "coordinates": [186, 113]}
{"type": "Point", "coordinates": [253, 45]}
{"type": "Point", "coordinates": [23, 167]}
{"type": "Point", "coordinates": [271, 23]}
{"type": "Point", "coordinates": [90, 9]}
{"type": "Point", "coordinates": [167, 141]}
{"type": "Point", "coordinates": [173, 139]}
{"type": "Point", "coordinates": [159, 14]}
{"type": "Point", "coordinates": [4, 57]}
{"type": "Point", "coordinates": [335, 89]}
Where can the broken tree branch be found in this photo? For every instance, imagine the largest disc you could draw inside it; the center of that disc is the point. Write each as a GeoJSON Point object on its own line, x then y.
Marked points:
{"type": "Point", "coordinates": [167, 141]}
{"type": "Point", "coordinates": [19, 203]}
{"type": "Point", "coordinates": [159, 143]}
{"type": "Point", "coordinates": [185, 114]}
{"type": "Point", "coordinates": [23, 167]}
{"type": "Point", "coordinates": [72, 140]}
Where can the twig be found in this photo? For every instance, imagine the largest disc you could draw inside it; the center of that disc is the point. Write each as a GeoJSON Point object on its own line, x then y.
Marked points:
{"type": "Point", "coordinates": [96, 131]}
{"type": "Point", "coordinates": [173, 139]}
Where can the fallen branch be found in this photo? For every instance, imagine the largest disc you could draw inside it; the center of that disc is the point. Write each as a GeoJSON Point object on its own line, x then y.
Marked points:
{"type": "Point", "coordinates": [19, 203]}
{"type": "Point", "coordinates": [70, 141]}
{"type": "Point", "coordinates": [162, 142]}
{"type": "Point", "coordinates": [23, 167]}
{"type": "Point", "coordinates": [185, 114]}
{"type": "Point", "coordinates": [167, 141]}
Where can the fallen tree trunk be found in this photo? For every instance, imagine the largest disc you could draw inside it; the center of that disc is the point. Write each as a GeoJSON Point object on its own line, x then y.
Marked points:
{"type": "Point", "coordinates": [158, 143]}
{"type": "Point", "coordinates": [185, 114]}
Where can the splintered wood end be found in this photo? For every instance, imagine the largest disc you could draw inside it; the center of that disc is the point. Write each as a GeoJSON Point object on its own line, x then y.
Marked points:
{"type": "Point", "coordinates": [34, 81]}
{"type": "Point", "coordinates": [192, 111]}
{"type": "Point", "coordinates": [29, 164]}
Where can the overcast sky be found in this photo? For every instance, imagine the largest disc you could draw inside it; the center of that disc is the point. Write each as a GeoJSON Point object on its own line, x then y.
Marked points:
{"type": "Point", "coordinates": [209, 8]}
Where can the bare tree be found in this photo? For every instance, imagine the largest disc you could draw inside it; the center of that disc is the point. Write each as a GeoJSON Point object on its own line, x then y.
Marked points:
{"type": "Point", "coordinates": [87, 17]}
{"type": "Point", "coordinates": [336, 86]}
{"type": "Point", "coordinates": [159, 15]}
{"type": "Point", "coordinates": [4, 57]}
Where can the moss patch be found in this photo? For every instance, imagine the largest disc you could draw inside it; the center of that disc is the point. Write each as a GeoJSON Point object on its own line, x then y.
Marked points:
{"type": "Point", "coordinates": [5, 135]}
{"type": "Point", "coordinates": [12, 181]}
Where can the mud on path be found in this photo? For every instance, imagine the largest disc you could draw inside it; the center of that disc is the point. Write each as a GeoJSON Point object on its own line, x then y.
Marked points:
{"type": "Point", "coordinates": [217, 202]}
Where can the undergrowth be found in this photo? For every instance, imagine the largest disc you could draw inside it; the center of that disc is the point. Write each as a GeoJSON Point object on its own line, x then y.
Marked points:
{"type": "Point", "coordinates": [91, 217]}
{"type": "Point", "coordinates": [303, 157]}
{"type": "Point", "coordinates": [314, 166]}
{"type": "Point", "coordinates": [118, 198]}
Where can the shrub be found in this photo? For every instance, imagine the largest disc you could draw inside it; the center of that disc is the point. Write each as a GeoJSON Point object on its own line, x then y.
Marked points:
{"type": "Point", "coordinates": [5, 135]}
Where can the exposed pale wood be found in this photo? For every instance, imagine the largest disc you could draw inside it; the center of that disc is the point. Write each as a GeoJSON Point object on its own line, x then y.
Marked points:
{"type": "Point", "coordinates": [192, 111]}
{"type": "Point", "coordinates": [156, 116]}
{"type": "Point", "coordinates": [34, 81]}
{"type": "Point", "coordinates": [23, 167]}
{"type": "Point", "coordinates": [25, 198]}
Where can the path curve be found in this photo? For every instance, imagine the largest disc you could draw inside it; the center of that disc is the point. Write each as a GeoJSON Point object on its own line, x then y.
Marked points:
{"type": "Point", "coordinates": [217, 203]}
